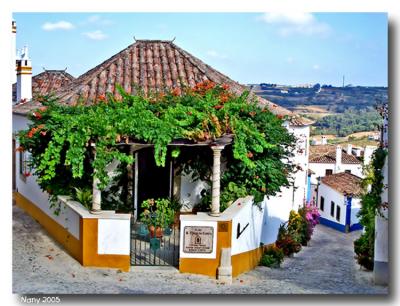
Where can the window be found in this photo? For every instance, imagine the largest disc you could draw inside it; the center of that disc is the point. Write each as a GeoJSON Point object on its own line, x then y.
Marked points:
{"type": "Point", "coordinates": [332, 208]}
{"type": "Point", "coordinates": [328, 172]}
{"type": "Point", "coordinates": [338, 213]}
{"type": "Point", "coordinates": [321, 203]}
{"type": "Point", "coordinates": [347, 171]}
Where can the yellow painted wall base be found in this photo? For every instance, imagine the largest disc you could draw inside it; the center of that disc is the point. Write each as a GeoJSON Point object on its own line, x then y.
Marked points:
{"type": "Point", "coordinates": [85, 249]}
{"type": "Point", "coordinates": [59, 233]}
{"type": "Point", "coordinates": [246, 261]}
{"type": "Point", "coordinates": [206, 266]}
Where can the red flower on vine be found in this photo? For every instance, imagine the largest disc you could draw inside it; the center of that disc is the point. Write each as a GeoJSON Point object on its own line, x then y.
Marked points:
{"type": "Point", "coordinates": [279, 116]}
{"type": "Point", "coordinates": [20, 149]}
{"type": "Point", "coordinates": [250, 154]}
{"type": "Point", "coordinates": [176, 92]}
{"type": "Point", "coordinates": [218, 106]}
{"type": "Point", "coordinates": [37, 115]}
{"type": "Point", "coordinates": [27, 173]}
{"type": "Point", "coordinates": [225, 86]}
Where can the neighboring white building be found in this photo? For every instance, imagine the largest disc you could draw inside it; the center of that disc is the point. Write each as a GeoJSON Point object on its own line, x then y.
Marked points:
{"type": "Point", "coordinates": [339, 201]}
{"type": "Point", "coordinates": [329, 159]}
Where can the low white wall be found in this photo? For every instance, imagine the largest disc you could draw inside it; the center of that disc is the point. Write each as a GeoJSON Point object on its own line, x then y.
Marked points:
{"type": "Point", "coordinates": [114, 236]}
{"type": "Point", "coordinates": [113, 230]}
{"type": "Point", "coordinates": [248, 222]}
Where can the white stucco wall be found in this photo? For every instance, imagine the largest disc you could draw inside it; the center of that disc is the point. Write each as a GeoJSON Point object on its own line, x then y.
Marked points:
{"type": "Point", "coordinates": [355, 209]}
{"type": "Point", "coordinates": [252, 223]}
{"type": "Point", "coordinates": [114, 236]}
{"type": "Point", "coordinates": [190, 192]}
{"type": "Point", "coordinates": [320, 168]}
{"type": "Point", "coordinates": [329, 195]}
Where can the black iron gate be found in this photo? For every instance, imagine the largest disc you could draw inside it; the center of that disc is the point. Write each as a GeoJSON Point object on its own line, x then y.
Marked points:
{"type": "Point", "coordinates": [147, 250]}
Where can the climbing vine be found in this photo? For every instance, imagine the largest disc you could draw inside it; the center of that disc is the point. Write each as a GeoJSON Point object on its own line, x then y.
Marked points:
{"type": "Point", "coordinates": [371, 205]}
{"type": "Point", "coordinates": [71, 144]}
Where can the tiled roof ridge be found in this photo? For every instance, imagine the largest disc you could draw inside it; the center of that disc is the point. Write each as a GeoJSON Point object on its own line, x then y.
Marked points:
{"type": "Point", "coordinates": [346, 183]}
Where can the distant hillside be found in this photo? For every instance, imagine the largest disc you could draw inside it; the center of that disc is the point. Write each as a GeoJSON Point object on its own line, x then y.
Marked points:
{"type": "Point", "coordinates": [332, 99]}
{"type": "Point", "coordinates": [347, 123]}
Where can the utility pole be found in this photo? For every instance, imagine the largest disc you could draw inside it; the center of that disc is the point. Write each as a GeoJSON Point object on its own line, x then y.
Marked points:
{"type": "Point", "coordinates": [343, 82]}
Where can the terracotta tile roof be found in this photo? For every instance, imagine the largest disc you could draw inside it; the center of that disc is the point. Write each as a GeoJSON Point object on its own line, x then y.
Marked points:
{"type": "Point", "coordinates": [44, 83]}
{"type": "Point", "coordinates": [345, 183]}
{"type": "Point", "coordinates": [326, 154]}
{"type": "Point", "coordinates": [153, 65]}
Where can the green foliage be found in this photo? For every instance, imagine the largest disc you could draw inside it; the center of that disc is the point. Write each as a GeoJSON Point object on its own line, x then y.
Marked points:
{"type": "Point", "coordinates": [231, 193]}
{"type": "Point", "coordinates": [349, 122]}
{"type": "Point", "coordinates": [116, 196]}
{"type": "Point", "coordinates": [84, 196]}
{"type": "Point", "coordinates": [272, 257]}
{"type": "Point", "coordinates": [71, 145]}
{"type": "Point", "coordinates": [371, 205]}
{"type": "Point", "coordinates": [286, 241]}
{"type": "Point", "coordinates": [158, 212]}
{"type": "Point", "coordinates": [297, 227]}
{"type": "Point", "coordinates": [364, 248]}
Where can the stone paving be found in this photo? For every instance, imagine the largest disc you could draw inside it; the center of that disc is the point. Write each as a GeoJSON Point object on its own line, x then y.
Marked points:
{"type": "Point", "coordinates": [41, 266]}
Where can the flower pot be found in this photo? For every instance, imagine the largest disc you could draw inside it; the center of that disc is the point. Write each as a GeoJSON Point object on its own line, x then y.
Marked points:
{"type": "Point", "coordinates": [155, 231]}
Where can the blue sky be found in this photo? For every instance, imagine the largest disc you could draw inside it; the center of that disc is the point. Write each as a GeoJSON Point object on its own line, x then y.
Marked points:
{"type": "Point", "coordinates": [281, 48]}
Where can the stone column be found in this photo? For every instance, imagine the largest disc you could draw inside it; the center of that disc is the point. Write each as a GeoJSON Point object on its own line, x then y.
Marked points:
{"type": "Point", "coordinates": [216, 176]}
{"type": "Point", "coordinates": [96, 193]}
{"type": "Point", "coordinates": [96, 202]}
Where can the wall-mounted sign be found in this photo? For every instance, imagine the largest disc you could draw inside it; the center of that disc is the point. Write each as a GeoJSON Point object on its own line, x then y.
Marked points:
{"type": "Point", "coordinates": [198, 239]}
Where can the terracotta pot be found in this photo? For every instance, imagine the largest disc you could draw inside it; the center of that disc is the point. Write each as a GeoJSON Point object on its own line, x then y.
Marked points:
{"type": "Point", "coordinates": [155, 232]}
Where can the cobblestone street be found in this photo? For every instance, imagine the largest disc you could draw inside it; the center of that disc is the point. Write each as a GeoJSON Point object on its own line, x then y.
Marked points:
{"type": "Point", "coordinates": [40, 266]}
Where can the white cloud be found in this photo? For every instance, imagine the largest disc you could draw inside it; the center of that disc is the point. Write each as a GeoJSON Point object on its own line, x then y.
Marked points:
{"type": "Point", "coordinates": [95, 35]}
{"type": "Point", "coordinates": [60, 25]}
{"type": "Point", "coordinates": [296, 23]}
{"type": "Point", "coordinates": [215, 54]}
{"type": "Point", "coordinates": [98, 20]}
{"type": "Point", "coordinates": [315, 67]}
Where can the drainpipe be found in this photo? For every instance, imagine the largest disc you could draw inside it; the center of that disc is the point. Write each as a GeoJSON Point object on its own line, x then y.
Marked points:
{"type": "Point", "coordinates": [216, 177]}
{"type": "Point", "coordinates": [348, 214]}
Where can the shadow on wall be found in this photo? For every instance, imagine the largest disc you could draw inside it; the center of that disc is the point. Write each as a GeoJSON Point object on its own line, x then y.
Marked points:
{"type": "Point", "coordinates": [271, 226]}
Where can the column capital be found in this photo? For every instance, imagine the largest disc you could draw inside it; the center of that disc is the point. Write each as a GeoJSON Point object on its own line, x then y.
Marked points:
{"type": "Point", "coordinates": [217, 147]}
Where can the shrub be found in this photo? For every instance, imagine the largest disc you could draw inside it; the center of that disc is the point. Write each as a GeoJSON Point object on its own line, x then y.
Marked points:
{"type": "Point", "coordinates": [364, 249]}
{"type": "Point", "coordinates": [286, 242]}
{"type": "Point", "coordinates": [272, 257]}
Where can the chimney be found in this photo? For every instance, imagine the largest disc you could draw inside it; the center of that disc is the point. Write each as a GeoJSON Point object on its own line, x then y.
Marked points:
{"type": "Point", "coordinates": [323, 140]}
{"type": "Point", "coordinates": [13, 46]}
{"type": "Point", "coordinates": [349, 149]}
{"type": "Point", "coordinates": [24, 76]}
{"type": "Point", "coordinates": [368, 151]}
{"type": "Point", "coordinates": [338, 163]}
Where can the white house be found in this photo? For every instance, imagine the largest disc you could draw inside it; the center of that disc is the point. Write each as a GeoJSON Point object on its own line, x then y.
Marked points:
{"type": "Point", "coordinates": [329, 159]}
{"type": "Point", "coordinates": [339, 201]}
{"type": "Point", "coordinates": [175, 68]}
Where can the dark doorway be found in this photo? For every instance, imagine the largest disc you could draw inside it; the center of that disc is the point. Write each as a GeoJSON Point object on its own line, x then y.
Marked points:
{"type": "Point", "coordinates": [153, 181]}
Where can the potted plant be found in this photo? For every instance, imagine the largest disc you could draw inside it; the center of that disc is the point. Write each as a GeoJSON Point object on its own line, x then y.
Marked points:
{"type": "Point", "coordinates": [157, 215]}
